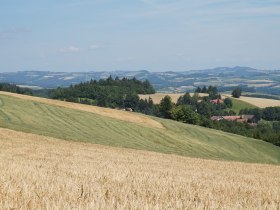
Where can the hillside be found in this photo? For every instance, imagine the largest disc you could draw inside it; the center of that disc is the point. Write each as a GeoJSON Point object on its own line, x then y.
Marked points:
{"type": "Point", "coordinates": [40, 172]}
{"type": "Point", "coordinates": [129, 130]}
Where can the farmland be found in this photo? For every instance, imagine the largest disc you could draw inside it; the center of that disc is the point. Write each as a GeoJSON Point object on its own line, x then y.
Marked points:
{"type": "Point", "coordinates": [40, 172]}
{"type": "Point", "coordinates": [116, 114]}
{"type": "Point", "coordinates": [237, 105]}
{"type": "Point", "coordinates": [258, 102]}
{"type": "Point", "coordinates": [73, 122]}
{"type": "Point", "coordinates": [158, 96]}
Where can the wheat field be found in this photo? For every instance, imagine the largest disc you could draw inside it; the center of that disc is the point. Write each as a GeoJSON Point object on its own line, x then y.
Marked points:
{"type": "Point", "coordinates": [258, 102]}
{"type": "Point", "coordinates": [40, 172]}
{"type": "Point", "coordinates": [158, 96]}
{"type": "Point", "coordinates": [261, 102]}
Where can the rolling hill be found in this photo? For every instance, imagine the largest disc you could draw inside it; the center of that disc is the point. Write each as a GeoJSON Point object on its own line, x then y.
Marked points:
{"type": "Point", "coordinates": [83, 123]}
{"type": "Point", "coordinates": [226, 78]}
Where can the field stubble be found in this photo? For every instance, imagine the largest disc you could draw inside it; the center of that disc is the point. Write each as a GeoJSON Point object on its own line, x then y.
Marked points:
{"type": "Point", "coordinates": [45, 173]}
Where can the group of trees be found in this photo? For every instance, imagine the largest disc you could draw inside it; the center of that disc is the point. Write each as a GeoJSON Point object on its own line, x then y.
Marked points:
{"type": "Point", "coordinates": [193, 109]}
{"type": "Point", "coordinates": [113, 93]}
{"type": "Point", "coordinates": [211, 90]}
{"type": "Point", "coordinates": [269, 113]}
{"type": "Point", "coordinates": [236, 93]}
{"type": "Point", "coordinates": [14, 89]}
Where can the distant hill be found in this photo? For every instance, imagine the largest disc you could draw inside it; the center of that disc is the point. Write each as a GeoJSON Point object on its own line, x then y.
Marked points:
{"type": "Point", "coordinates": [252, 80]}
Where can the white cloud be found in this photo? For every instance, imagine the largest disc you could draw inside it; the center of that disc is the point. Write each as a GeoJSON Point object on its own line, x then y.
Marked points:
{"type": "Point", "coordinates": [93, 47]}
{"type": "Point", "coordinates": [70, 49]}
{"type": "Point", "coordinates": [6, 33]}
{"type": "Point", "coordinates": [180, 54]}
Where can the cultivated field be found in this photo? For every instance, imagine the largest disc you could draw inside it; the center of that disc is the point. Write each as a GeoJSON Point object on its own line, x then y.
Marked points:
{"type": "Point", "coordinates": [259, 102]}
{"type": "Point", "coordinates": [158, 96]}
{"type": "Point", "coordinates": [176, 138]}
{"type": "Point", "coordinates": [44, 173]}
{"type": "Point", "coordinates": [117, 114]}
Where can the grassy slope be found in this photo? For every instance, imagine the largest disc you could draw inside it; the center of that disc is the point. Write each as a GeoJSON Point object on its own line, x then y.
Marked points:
{"type": "Point", "coordinates": [238, 105]}
{"type": "Point", "coordinates": [177, 138]}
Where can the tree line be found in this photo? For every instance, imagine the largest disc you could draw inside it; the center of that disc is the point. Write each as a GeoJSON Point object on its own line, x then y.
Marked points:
{"type": "Point", "coordinates": [15, 89]}
{"type": "Point", "coordinates": [268, 113]}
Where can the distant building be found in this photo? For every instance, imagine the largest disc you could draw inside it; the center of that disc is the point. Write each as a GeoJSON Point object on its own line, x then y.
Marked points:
{"type": "Point", "coordinates": [231, 118]}
{"type": "Point", "coordinates": [216, 101]}
{"type": "Point", "coordinates": [217, 118]}
{"type": "Point", "coordinates": [243, 118]}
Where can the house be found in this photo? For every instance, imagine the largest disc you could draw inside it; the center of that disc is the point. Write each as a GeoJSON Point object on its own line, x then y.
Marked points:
{"type": "Point", "coordinates": [216, 118]}
{"type": "Point", "coordinates": [231, 118]}
{"type": "Point", "coordinates": [216, 101]}
{"type": "Point", "coordinates": [243, 118]}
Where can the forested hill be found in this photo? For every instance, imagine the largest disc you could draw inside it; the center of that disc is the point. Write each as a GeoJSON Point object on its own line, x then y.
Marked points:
{"type": "Point", "coordinates": [106, 92]}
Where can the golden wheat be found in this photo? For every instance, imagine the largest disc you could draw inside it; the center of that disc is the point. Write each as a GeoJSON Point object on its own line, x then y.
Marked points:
{"type": "Point", "coordinates": [158, 96]}
{"type": "Point", "coordinates": [44, 173]}
{"type": "Point", "coordinates": [259, 102]}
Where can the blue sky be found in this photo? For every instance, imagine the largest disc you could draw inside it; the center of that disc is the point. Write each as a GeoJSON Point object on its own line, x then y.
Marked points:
{"type": "Point", "coordinates": [157, 35]}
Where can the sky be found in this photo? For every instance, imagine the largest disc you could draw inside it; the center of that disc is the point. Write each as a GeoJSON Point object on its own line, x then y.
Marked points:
{"type": "Point", "coordinates": [155, 35]}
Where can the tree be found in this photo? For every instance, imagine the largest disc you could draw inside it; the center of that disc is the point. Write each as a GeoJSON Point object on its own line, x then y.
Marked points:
{"type": "Point", "coordinates": [236, 93]}
{"type": "Point", "coordinates": [228, 102]}
{"type": "Point", "coordinates": [166, 107]}
{"type": "Point", "coordinates": [204, 89]}
{"type": "Point", "coordinates": [184, 113]}
{"type": "Point", "coordinates": [131, 100]}
{"type": "Point", "coordinates": [198, 90]}
{"type": "Point", "coordinates": [185, 99]}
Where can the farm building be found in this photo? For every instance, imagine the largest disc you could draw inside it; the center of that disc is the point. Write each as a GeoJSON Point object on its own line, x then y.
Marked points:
{"type": "Point", "coordinates": [217, 118]}
{"type": "Point", "coordinates": [231, 118]}
{"type": "Point", "coordinates": [216, 101]}
{"type": "Point", "coordinates": [242, 118]}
